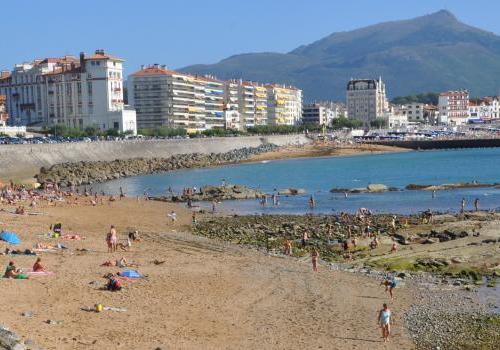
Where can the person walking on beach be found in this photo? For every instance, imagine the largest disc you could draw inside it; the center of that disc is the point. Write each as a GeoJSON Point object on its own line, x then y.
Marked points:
{"type": "Point", "coordinates": [173, 216]}
{"type": "Point", "coordinates": [462, 204]}
{"type": "Point", "coordinates": [390, 284]}
{"type": "Point", "coordinates": [314, 259]}
{"type": "Point", "coordinates": [384, 320]}
{"type": "Point", "coordinates": [476, 204]}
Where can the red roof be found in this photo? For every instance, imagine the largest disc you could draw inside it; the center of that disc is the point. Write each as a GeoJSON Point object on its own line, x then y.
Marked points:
{"type": "Point", "coordinates": [103, 56]}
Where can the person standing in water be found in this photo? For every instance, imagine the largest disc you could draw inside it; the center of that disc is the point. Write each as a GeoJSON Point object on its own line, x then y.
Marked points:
{"type": "Point", "coordinates": [462, 204]}
{"type": "Point", "coordinates": [476, 204]}
{"type": "Point", "coordinates": [433, 193]}
{"type": "Point", "coordinates": [312, 202]}
{"type": "Point", "coordinates": [384, 320]}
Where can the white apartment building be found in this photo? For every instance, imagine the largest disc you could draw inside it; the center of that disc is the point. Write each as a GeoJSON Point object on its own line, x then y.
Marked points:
{"type": "Point", "coordinates": [75, 92]}
{"type": "Point", "coordinates": [250, 99]}
{"type": "Point", "coordinates": [487, 108]}
{"type": "Point", "coordinates": [396, 116]}
{"type": "Point", "coordinates": [453, 107]}
{"type": "Point", "coordinates": [4, 116]}
{"type": "Point", "coordinates": [284, 105]}
{"type": "Point", "coordinates": [163, 97]}
{"type": "Point", "coordinates": [366, 99]}
{"type": "Point", "coordinates": [318, 114]}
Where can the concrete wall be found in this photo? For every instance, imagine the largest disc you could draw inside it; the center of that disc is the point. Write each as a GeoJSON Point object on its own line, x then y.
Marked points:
{"type": "Point", "coordinates": [22, 162]}
{"type": "Point", "coordinates": [443, 144]}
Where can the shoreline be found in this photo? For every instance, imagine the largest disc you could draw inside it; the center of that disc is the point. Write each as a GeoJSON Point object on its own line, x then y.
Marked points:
{"type": "Point", "coordinates": [325, 150]}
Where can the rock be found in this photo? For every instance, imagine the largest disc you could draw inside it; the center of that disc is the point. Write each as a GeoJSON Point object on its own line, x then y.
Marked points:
{"type": "Point", "coordinates": [9, 340]}
{"type": "Point", "coordinates": [83, 173]}
{"type": "Point", "coordinates": [291, 191]}
{"type": "Point", "coordinates": [431, 241]}
{"type": "Point", "coordinates": [457, 260]}
{"type": "Point", "coordinates": [377, 188]}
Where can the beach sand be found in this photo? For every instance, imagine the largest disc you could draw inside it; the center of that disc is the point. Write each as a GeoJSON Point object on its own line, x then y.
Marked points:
{"type": "Point", "coordinates": [207, 294]}
{"type": "Point", "coordinates": [326, 149]}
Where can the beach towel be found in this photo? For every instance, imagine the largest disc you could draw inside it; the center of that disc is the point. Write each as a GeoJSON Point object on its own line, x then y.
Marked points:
{"type": "Point", "coordinates": [10, 237]}
{"type": "Point", "coordinates": [131, 274]}
{"type": "Point", "coordinates": [40, 273]}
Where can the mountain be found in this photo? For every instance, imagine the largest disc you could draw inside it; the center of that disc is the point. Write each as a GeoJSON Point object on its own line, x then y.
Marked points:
{"type": "Point", "coordinates": [435, 52]}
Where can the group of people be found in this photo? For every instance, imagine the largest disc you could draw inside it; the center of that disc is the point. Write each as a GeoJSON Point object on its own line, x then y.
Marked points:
{"type": "Point", "coordinates": [13, 272]}
{"type": "Point", "coordinates": [114, 245]}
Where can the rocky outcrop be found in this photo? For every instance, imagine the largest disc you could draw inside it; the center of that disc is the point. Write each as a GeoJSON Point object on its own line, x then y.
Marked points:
{"type": "Point", "coordinates": [291, 191]}
{"type": "Point", "coordinates": [83, 173]}
{"type": "Point", "coordinates": [10, 340]}
{"type": "Point", "coordinates": [372, 188]}
{"type": "Point", "coordinates": [218, 193]}
{"type": "Point", "coordinates": [449, 186]}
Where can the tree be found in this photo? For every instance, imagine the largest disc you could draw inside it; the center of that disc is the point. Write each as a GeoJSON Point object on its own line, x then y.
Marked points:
{"type": "Point", "coordinates": [378, 123]}
{"type": "Point", "coordinates": [342, 122]}
{"type": "Point", "coordinates": [427, 98]}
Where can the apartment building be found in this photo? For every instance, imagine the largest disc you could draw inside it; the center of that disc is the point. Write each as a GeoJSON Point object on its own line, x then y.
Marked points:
{"type": "Point", "coordinates": [319, 113]}
{"type": "Point", "coordinates": [3, 110]}
{"type": "Point", "coordinates": [164, 97]}
{"type": "Point", "coordinates": [454, 107]}
{"type": "Point", "coordinates": [416, 112]}
{"type": "Point", "coordinates": [366, 99]}
{"type": "Point", "coordinates": [284, 105]}
{"type": "Point", "coordinates": [250, 99]}
{"type": "Point", "coordinates": [77, 92]}
{"type": "Point", "coordinates": [487, 109]}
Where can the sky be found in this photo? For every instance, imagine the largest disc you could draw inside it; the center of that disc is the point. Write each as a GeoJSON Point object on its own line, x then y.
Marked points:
{"type": "Point", "coordinates": [178, 33]}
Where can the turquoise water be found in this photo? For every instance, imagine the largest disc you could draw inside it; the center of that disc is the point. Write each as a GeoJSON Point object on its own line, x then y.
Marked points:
{"type": "Point", "coordinates": [318, 175]}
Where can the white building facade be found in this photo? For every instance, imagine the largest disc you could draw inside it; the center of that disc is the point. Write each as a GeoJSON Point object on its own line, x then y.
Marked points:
{"type": "Point", "coordinates": [486, 109]}
{"type": "Point", "coordinates": [163, 97]}
{"type": "Point", "coordinates": [75, 92]}
{"type": "Point", "coordinates": [321, 113]}
{"type": "Point", "coordinates": [366, 99]}
{"type": "Point", "coordinates": [284, 105]}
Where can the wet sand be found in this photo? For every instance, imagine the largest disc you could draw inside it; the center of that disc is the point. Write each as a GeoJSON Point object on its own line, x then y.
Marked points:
{"type": "Point", "coordinates": [326, 149]}
{"type": "Point", "coordinates": [207, 294]}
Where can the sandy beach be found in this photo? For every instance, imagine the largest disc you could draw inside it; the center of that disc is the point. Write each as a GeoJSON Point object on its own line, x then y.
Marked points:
{"type": "Point", "coordinates": [207, 294]}
{"type": "Point", "coordinates": [326, 149]}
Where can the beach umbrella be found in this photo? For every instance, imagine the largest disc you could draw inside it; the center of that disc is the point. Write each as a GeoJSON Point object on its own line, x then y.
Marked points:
{"type": "Point", "coordinates": [10, 237]}
{"type": "Point", "coordinates": [130, 274]}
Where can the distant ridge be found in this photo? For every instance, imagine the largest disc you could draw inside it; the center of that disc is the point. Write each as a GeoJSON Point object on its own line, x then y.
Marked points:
{"type": "Point", "coordinates": [434, 52]}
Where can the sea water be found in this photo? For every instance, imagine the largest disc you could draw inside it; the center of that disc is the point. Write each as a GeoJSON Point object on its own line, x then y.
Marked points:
{"type": "Point", "coordinates": [318, 175]}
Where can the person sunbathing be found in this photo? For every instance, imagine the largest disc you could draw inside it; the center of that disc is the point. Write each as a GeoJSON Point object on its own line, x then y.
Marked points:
{"type": "Point", "coordinates": [12, 272]}
{"type": "Point", "coordinates": [38, 267]}
{"type": "Point", "coordinates": [20, 210]}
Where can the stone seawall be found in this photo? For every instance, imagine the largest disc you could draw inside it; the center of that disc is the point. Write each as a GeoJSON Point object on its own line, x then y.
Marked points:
{"type": "Point", "coordinates": [442, 144]}
{"type": "Point", "coordinates": [22, 162]}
